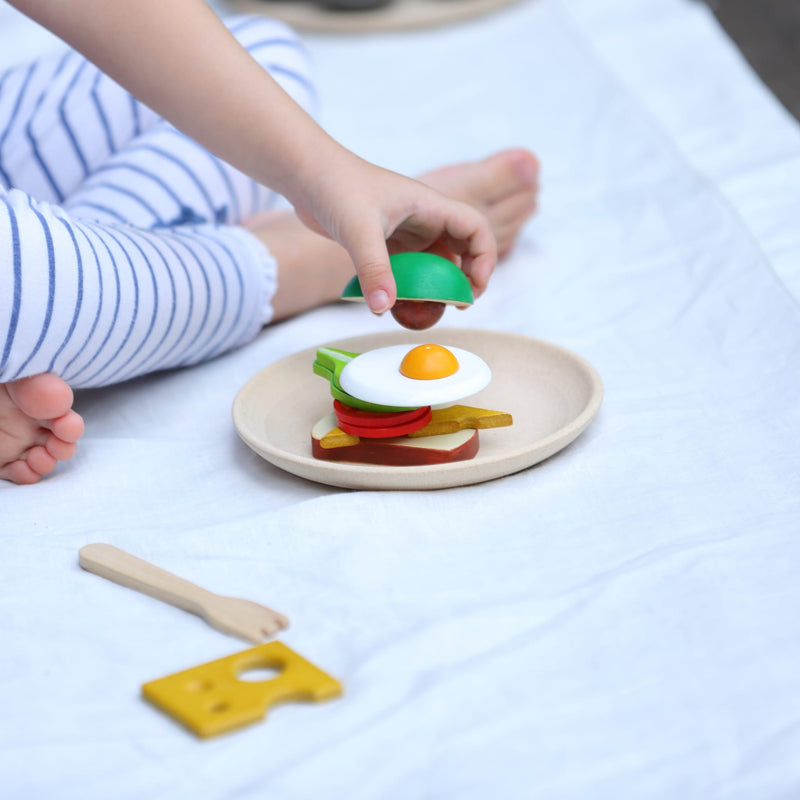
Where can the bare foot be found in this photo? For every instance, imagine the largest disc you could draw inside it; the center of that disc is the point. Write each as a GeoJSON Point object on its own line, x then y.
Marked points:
{"type": "Point", "coordinates": [38, 427]}
{"type": "Point", "coordinates": [504, 187]}
{"type": "Point", "coordinates": [313, 270]}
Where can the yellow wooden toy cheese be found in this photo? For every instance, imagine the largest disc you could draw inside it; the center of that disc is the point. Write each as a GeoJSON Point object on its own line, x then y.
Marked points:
{"type": "Point", "coordinates": [211, 699]}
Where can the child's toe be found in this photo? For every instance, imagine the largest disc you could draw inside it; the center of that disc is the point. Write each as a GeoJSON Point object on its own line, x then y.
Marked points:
{"type": "Point", "coordinates": [59, 449]}
{"type": "Point", "coordinates": [19, 472]}
{"type": "Point", "coordinates": [69, 427]}
{"type": "Point", "coordinates": [40, 461]}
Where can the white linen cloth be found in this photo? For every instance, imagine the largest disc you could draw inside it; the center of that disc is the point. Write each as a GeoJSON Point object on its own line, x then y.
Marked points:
{"type": "Point", "coordinates": [617, 622]}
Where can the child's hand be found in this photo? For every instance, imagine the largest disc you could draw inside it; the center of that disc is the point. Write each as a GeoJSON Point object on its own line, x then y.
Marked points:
{"type": "Point", "coordinates": [230, 105]}
{"type": "Point", "coordinates": [371, 212]}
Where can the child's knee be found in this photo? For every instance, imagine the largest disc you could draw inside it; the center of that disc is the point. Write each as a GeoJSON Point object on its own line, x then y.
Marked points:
{"type": "Point", "coordinates": [266, 39]}
{"type": "Point", "coordinates": [279, 49]}
{"type": "Point", "coordinates": [251, 28]}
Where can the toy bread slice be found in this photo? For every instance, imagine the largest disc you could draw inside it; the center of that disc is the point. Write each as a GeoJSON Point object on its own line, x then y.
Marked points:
{"type": "Point", "coordinates": [399, 451]}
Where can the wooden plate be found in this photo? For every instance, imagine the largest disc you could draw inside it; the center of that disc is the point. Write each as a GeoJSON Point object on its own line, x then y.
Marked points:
{"type": "Point", "coordinates": [309, 15]}
{"type": "Point", "coordinates": [552, 393]}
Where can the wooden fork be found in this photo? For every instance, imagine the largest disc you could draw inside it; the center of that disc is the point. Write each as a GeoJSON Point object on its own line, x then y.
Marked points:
{"type": "Point", "coordinates": [243, 618]}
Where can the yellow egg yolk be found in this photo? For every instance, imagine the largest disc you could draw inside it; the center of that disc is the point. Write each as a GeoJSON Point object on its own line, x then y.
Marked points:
{"type": "Point", "coordinates": [427, 362]}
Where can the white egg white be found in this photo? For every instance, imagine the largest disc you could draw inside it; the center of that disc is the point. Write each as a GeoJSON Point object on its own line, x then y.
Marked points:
{"type": "Point", "coordinates": [375, 377]}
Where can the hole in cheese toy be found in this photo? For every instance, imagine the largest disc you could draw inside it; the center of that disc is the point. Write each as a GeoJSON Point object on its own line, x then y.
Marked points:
{"type": "Point", "coordinates": [426, 283]}
{"type": "Point", "coordinates": [394, 405]}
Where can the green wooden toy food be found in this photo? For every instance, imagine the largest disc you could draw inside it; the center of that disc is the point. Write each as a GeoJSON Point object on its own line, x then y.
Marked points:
{"type": "Point", "coordinates": [426, 282]}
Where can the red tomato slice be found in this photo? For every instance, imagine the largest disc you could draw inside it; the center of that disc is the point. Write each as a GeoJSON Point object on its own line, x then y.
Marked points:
{"type": "Point", "coordinates": [376, 419]}
{"type": "Point", "coordinates": [380, 425]}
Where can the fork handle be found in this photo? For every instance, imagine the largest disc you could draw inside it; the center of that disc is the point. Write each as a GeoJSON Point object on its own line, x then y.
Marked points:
{"type": "Point", "coordinates": [136, 573]}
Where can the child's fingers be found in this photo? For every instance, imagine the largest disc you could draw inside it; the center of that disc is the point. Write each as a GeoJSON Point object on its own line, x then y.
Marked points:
{"type": "Point", "coordinates": [371, 260]}
{"type": "Point", "coordinates": [467, 234]}
{"type": "Point", "coordinates": [416, 224]}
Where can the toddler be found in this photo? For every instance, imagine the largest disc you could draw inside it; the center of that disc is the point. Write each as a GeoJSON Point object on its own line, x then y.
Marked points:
{"type": "Point", "coordinates": [138, 175]}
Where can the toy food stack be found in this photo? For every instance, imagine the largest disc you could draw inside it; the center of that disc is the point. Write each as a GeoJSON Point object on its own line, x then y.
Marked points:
{"type": "Point", "coordinates": [396, 406]}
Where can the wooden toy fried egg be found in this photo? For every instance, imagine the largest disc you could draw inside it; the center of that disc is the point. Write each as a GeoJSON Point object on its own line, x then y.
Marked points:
{"type": "Point", "coordinates": [422, 375]}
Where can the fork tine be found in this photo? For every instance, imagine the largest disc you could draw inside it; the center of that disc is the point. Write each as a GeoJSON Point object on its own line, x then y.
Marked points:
{"type": "Point", "coordinates": [272, 627]}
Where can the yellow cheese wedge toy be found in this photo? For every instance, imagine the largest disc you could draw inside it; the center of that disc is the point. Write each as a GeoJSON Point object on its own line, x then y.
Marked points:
{"type": "Point", "coordinates": [213, 698]}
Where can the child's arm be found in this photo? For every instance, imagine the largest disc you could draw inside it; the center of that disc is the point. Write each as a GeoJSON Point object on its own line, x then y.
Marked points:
{"type": "Point", "coordinates": [177, 57]}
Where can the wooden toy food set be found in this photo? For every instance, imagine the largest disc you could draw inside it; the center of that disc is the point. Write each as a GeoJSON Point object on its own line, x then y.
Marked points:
{"type": "Point", "coordinates": [404, 408]}
{"type": "Point", "coordinates": [396, 405]}
{"type": "Point", "coordinates": [396, 423]}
